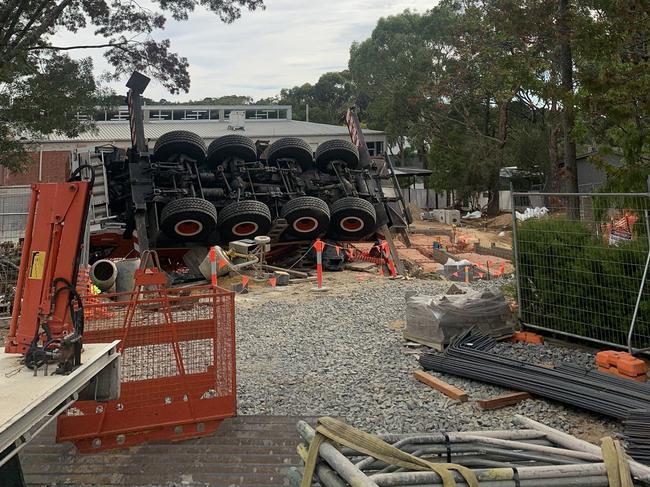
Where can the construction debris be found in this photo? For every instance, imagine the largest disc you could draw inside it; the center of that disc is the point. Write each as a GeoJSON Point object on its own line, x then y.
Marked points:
{"type": "Point", "coordinates": [441, 385]}
{"type": "Point", "coordinates": [622, 364]}
{"type": "Point", "coordinates": [527, 337]}
{"type": "Point", "coordinates": [504, 400]}
{"type": "Point", "coordinates": [469, 357]}
{"type": "Point", "coordinates": [435, 321]}
{"type": "Point", "coordinates": [536, 456]}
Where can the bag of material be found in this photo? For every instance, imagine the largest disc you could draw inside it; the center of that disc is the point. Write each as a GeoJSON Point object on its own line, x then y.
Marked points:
{"type": "Point", "coordinates": [438, 320]}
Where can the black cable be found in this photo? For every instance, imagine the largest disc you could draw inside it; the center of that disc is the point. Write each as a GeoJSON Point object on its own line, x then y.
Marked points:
{"type": "Point", "coordinates": [76, 174]}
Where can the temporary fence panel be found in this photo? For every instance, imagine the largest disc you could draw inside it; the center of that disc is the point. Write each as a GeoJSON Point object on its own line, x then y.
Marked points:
{"type": "Point", "coordinates": [14, 205]}
{"type": "Point", "coordinates": [581, 263]}
{"type": "Point", "coordinates": [177, 367]}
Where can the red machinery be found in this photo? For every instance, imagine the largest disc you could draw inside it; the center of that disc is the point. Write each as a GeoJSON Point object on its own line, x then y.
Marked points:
{"type": "Point", "coordinates": [47, 319]}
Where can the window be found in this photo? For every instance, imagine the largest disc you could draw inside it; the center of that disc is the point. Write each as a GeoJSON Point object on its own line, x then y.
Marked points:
{"type": "Point", "coordinates": [375, 148]}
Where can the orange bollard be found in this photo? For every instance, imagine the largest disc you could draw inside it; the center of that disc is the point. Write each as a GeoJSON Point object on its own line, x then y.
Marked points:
{"type": "Point", "coordinates": [319, 246]}
{"type": "Point", "coordinates": [213, 266]}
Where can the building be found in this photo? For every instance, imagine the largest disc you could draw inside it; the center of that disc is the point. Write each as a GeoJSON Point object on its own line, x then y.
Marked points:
{"type": "Point", "coordinates": [590, 174]}
{"type": "Point", "coordinates": [269, 123]}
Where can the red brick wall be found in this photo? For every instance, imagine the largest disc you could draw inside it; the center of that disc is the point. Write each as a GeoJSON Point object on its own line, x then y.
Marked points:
{"type": "Point", "coordinates": [55, 168]}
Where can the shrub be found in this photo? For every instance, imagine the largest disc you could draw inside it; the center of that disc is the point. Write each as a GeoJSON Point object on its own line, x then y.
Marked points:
{"type": "Point", "coordinates": [574, 282]}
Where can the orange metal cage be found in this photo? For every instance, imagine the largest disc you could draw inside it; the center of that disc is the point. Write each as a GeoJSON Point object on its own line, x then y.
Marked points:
{"type": "Point", "coordinates": [177, 367]}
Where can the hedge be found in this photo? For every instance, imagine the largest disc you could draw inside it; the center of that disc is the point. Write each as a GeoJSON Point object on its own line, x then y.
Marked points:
{"type": "Point", "coordinates": [572, 281]}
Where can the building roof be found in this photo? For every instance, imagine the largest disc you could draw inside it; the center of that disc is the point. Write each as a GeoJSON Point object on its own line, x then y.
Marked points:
{"type": "Point", "coordinates": [411, 171]}
{"type": "Point", "coordinates": [119, 131]}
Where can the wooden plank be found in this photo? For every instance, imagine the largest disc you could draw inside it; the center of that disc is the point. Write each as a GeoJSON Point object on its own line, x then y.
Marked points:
{"type": "Point", "coordinates": [441, 386]}
{"type": "Point", "coordinates": [504, 400]}
{"type": "Point", "coordinates": [440, 347]}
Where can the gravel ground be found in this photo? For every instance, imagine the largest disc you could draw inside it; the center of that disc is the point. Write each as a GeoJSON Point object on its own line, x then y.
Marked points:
{"type": "Point", "coordinates": [342, 354]}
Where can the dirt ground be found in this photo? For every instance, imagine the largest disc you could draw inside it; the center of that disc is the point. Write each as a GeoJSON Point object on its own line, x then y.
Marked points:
{"type": "Point", "coordinates": [473, 231]}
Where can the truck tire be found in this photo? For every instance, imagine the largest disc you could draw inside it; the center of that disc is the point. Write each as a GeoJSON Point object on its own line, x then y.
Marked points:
{"type": "Point", "coordinates": [232, 145]}
{"type": "Point", "coordinates": [337, 150]}
{"type": "Point", "coordinates": [244, 219]}
{"type": "Point", "coordinates": [291, 148]}
{"type": "Point", "coordinates": [307, 216]}
{"type": "Point", "coordinates": [352, 218]}
{"type": "Point", "coordinates": [179, 142]}
{"type": "Point", "coordinates": [188, 219]}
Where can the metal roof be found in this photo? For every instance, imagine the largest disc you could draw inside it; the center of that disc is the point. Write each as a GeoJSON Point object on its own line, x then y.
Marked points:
{"type": "Point", "coordinates": [411, 171]}
{"type": "Point", "coordinates": [119, 131]}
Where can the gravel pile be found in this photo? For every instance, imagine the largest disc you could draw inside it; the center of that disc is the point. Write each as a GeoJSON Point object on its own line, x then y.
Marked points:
{"type": "Point", "coordinates": [345, 357]}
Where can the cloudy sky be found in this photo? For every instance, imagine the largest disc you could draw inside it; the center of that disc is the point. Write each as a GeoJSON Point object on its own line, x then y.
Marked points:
{"type": "Point", "coordinates": [290, 43]}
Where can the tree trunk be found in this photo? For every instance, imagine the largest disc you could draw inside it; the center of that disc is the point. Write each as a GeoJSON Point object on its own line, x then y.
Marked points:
{"type": "Point", "coordinates": [568, 114]}
{"type": "Point", "coordinates": [502, 135]}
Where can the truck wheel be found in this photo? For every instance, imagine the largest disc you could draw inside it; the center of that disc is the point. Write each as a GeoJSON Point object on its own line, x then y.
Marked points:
{"type": "Point", "coordinates": [188, 219]}
{"type": "Point", "coordinates": [291, 148]}
{"type": "Point", "coordinates": [337, 150]}
{"type": "Point", "coordinates": [232, 145]}
{"type": "Point", "coordinates": [307, 216]}
{"type": "Point", "coordinates": [352, 218]}
{"type": "Point", "coordinates": [179, 142]}
{"type": "Point", "coordinates": [244, 219]}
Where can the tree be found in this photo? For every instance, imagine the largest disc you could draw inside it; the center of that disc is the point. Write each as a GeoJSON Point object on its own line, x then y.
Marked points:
{"type": "Point", "coordinates": [613, 96]}
{"type": "Point", "coordinates": [390, 71]}
{"type": "Point", "coordinates": [224, 100]}
{"type": "Point", "coordinates": [327, 99]}
{"type": "Point", "coordinates": [42, 88]}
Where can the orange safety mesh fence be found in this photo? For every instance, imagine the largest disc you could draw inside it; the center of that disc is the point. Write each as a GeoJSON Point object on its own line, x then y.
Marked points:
{"type": "Point", "coordinates": [177, 367]}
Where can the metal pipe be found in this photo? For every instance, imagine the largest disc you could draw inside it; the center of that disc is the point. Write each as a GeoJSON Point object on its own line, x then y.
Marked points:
{"type": "Point", "coordinates": [642, 472]}
{"type": "Point", "coordinates": [641, 286]}
{"type": "Point", "coordinates": [336, 459]}
{"type": "Point", "coordinates": [589, 481]}
{"type": "Point", "coordinates": [515, 251]}
{"type": "Point", "coordinates": [539, 474]}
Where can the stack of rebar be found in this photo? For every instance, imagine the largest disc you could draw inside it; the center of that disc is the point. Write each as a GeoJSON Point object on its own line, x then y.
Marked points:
{"type": "Point", "coordinates": [531, 457]}
{"type": "Point", "coordinates": [636, 430]}
{"type": "Point", "coordinates": [469, 356]}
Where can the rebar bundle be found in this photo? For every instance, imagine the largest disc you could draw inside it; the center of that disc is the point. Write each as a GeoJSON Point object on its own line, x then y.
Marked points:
{"type": "Point", "coordinates": [469, 357]}
{"type": "Point", "coordinates": [602, 393]}
{"type": "Point", "coordinates": [636, 430]}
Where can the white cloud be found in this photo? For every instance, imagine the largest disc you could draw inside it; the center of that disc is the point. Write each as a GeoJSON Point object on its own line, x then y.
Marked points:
{"type": "Point", "coordinates": [290, 43]}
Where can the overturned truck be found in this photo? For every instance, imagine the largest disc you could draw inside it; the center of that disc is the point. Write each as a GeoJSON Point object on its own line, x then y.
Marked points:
{"type": "Point", "coordinates": [183, 194]}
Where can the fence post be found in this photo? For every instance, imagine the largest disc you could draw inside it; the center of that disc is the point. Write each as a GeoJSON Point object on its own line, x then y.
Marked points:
{"type": "Point", "coordinates": [515, 250]}
{"type": "Point", "coordinates": [643, 278]}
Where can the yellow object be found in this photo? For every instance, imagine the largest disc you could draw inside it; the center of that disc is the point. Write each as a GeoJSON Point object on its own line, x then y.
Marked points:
{"type": "Point", "coordinates": [346, 435]}
{"type": "Point", "coordinates": [616, 463]}
{"type": "Point", "coordinates": [37, 264]}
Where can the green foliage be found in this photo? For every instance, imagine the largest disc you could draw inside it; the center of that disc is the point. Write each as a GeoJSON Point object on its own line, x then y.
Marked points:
{"type": "Point", "coordinates": [42, 89]}
{"type": "Point", "coordinates": [44, 99]}
{"type": "Point", "coordinates": [573, 281]}
{"type": "Point", "coordinates": [613, 54]}
{"type": "Point", "coordinates": [328, 99]}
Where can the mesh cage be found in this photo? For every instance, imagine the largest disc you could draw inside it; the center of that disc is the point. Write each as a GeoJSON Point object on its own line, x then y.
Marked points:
{"type": "Point", "coordinates": [177, 367]}
{"type": "Point", "coordinates": [581, 265]}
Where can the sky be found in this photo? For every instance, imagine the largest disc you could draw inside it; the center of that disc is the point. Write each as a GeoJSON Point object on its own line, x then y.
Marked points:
{"type": "Point", "coordinates": [290, 43]}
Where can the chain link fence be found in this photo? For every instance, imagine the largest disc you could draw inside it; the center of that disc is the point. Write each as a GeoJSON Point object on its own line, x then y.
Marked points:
{"type": "Point", "coordinates": [582, 261]}
{"type": "Point", "coordinates": [14, 206]}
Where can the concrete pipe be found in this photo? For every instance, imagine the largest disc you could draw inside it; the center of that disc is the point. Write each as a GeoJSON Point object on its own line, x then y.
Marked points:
{"type": "Point", "coordinates": [103, 274]}
{"type": "Point", "coordinates": [126, 274]}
